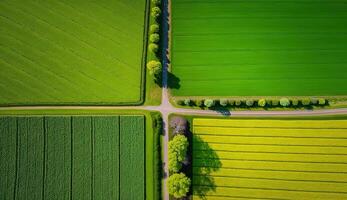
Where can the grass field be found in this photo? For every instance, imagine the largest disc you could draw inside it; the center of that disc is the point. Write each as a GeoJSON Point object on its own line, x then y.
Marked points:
{"type": "Point", "coordinates": [259, 48]}
{"type": "Point", "coordinates": [65, 52]}
{"type": "Point", "coordinates": [269, 159]}
{"type": "Point", "coordinates": [72, 157]}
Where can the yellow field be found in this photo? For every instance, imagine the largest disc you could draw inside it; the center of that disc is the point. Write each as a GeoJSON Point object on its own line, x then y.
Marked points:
{"type": "Point", "coordinates": [269, 159]}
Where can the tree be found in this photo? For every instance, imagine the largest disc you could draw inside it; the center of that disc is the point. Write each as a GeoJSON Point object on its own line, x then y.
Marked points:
{"type": "Point", "coordinates": [306, 101]}
{"type": "Point", "coordinates": [209, 103]}
{"type": "Point", "coordinates": [178, 185]}
{"type": "Point", "coordinates": [156, 2]}
{"type": "Point", "coordinates": [284, 102]}
{"type": "Point", "coordinates": [224, 102]}
{"type": "Point", "coordinates": [249, 102]}
{"type": "Point", "coordinates": [314, 101]}
{"type": "Point", "coordinates": [154, 28]}
{"type": "Point", "coordinates": [154, 67]}
{"type": "Point", "coordinates": [321, 101]}
{"type": "Point", "coordinates": [295, 102]}
{"type": "Point", "coordinates": [154, 37]}
{"type": "Point", "coordinates": [178, 147]}
{"type": "Point", "coordinates": [231, 102]}
{"type": "Point", "coordinates": [187, 102]}
{"type": "Point", "coordinates": [153, 47]}
{"type": "Point", "coordinates": [200, 102]}
{"type": "Point", "coordinates": [274, 102]}
{"type": "Point", "coordinates": [262, 102]}
{"type": "Point", "coordinates": [180, 102]}
{"type": "Point", "coordinates": [238, 102]}
{"type": "Point", "coordinates": [155, 12]}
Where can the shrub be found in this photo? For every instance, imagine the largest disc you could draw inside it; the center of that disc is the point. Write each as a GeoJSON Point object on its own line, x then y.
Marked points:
{"type": "Point", "coordinates": [295, 102]}
{"type": "Point", "coordinates": [321, 101]}
{"type": "Point", "coordinates": [284, 102]}
{"type": "Point", "coordinates": [306, 101]}
{"type": "Point", "coordinates": [153, 47]}
{"type": "Point", "coordinates": [156, 2]}
{"type": "Point", "coordinates": [209, 103]}
{"type": "Point", "coordinates": [178, 147]}
{"type": "Point", "coordinates": [231, 102]}
{"type": "Point", "coordinates": [269, 102]}
{"type": "Point", "coordinates": [154, 37]}
{"type": "Point", "coordinates": [154, 67]}
{"type": "Point", "coordinates": [155, 12]}
{"type": "Point", "coordinates": [224, 102]}
{"type": "Point", "coordinates": [262, 102]}
{"type": "Point", "coordinates": [187, 102]}
{"type": "Point", "coordinates": [249, 103]}
{"type": "Point", "coordinates": [178, 185]}
{"type": "Point", "coordinates": [314, 101]}
{"type": "Point", "coordinates": [275, 102]}
{"type": "Point", "coordinates": [180, 102]}
{"type": "Point", "coordinates": [238, 102]}
{"type": "Point", "coordinates": [200, 102]}
{"type": "Point", "coordinates": [154, 28]}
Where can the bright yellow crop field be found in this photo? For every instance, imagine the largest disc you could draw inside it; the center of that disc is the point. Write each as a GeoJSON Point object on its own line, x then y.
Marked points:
{"type": "Point", "coordinates": [269, 159]}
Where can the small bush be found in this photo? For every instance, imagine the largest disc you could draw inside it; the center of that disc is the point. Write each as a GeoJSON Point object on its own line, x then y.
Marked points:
{"type": "Point", "coordinates": [154, 28]}
{"type": "Point", "coordinates": [231, 102]}
{"type": "Point", "coordinates": [249, 103]}
{"type": "Point", "coordinates": [209, 103]}
{"type": "Point", "coordinates": [223, 102]}
{"type": "Point", "coordinates": [238, 102]}
{"type": "Point", "coordinates": [306, 101]}
{"type": "Point", "coordinates": [262, 102]}
{"type": "Point", "coordinates": [153, 47]}
{"type": "Point", "coordinates": [155, 12]}
{"type": "Point", "coordinates": [314, 101]}
{"type": "Point", "coordinates": [156, 2]}
{"type": "Point", "coordinates": [178, 185]}
{"type": "Point", "coordinates": [154, 67]}
{"type": "Point", "coordinates": [275, 102]}
{"type": "Point", "coordinates": [295, 102]}
{"type": "Point", "coordinates": [200, 102]}
{"type": "Point", "coordinates": [269, 102]}
{"type": "Point", "coordinates": [154, 38]}
{"type": "Point", "coordinates": [180, 102]}
{"type": "Point", "coordinates": [284, 102]}
{"type": "Point", "coordinates": [321, 101]}
{"type": "Point", "coordinates": [187, 102]}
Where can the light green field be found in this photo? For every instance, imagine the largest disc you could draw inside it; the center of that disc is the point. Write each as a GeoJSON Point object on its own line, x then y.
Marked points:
{"type": "Point", "coordinates": [68, 52]}
{"type": "Point", "coordinates": [259, 47]}
{"type": "Point", "coordinates": [72, 157]}
{"type": "Point", "coordinates": [269, 159]}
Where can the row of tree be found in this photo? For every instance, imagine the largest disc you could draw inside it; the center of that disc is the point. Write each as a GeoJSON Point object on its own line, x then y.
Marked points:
{"type": "Point", "coordinates": [154, 65]}
{"type": "Point", "coordinates": [282, 102]}
{"type": "Point", "coordinates": [178, 182]}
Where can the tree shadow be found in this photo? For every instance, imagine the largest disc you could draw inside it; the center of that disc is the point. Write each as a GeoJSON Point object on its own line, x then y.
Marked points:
{"type": "Point", "coordinates": [204, 163]}
{"type": "Point", "coordinates": [173, 82]}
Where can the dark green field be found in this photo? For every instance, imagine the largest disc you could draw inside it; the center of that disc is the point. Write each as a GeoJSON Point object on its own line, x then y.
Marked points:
{"type": "Point", "coordinates": [68, 52]}
{"type": "Point", "coordinates": [259, 47]}
{"type": "Point", "coordinates": [72, 157]}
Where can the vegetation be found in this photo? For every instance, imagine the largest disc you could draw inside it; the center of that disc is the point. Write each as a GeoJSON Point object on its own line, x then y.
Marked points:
{"type": "Point", "coordinates": [154, 68]}
{"type": "Point", "coordinates": [177, 152]}
{"type": "Point", "coordinates": [284, 102]}
{"type": "Point", "coordinates": [178, 185]}
{"type": "Point", "coordinates": [262, 102]}
{"type": "Point", "coordinates": [64, 53]}
{"type": "Point", "coordinates": [154, 28]}
{"type": "Point", "coordinates": [153, 47]}
{"type": "Point", "coordinates": [209, 103]}
{"type": "Point", "coordinates": [237, 157]}
{"type": "Point", "coordinates": [224, 102]}
{"type": "Point", "coordinates": [154, 38]}
{"type": "Point", "coordinates": [277, 66]}
{"type": "Point", "coordinates": [64, 144]}
{"type": "Point", "coordinates": [155, 12]}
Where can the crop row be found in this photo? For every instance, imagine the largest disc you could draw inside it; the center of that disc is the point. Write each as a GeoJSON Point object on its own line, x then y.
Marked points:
{"type": "Point", "coordinates": [272, 123]}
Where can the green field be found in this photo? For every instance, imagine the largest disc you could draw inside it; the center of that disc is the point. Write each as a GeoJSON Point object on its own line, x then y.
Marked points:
{"type": "Point", "coordinates": [259, 47]}
{"type": "Point", "coordinates": [269, 159]}
{"type": "Point", "coordinates": [68, 52]}
{"type": "Point", "coordinates": [72, 157]}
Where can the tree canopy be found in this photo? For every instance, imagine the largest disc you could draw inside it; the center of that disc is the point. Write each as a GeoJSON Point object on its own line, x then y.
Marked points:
{"type": "Point", "coordinates": [178, 185]}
